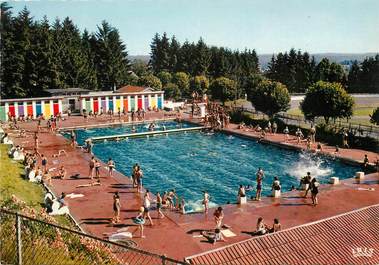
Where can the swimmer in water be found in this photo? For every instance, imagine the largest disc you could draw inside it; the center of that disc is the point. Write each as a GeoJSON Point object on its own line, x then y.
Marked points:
{"type": "Point", "coordinates": [134, 130]}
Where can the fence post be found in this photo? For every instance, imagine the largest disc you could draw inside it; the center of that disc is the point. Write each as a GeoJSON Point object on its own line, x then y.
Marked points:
{"type": "Point", "coordinates": [18, 239]}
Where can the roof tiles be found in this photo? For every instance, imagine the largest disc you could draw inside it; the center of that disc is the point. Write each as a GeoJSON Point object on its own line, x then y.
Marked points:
{"type": "Point", "coordinates": [328, 241]}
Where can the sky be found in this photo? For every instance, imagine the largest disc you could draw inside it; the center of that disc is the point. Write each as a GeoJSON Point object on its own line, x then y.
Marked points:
{"type": "Point", "coordinates": [268, 26]}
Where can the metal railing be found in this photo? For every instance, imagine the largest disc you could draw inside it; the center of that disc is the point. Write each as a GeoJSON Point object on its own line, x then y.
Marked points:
{"type": "Point", "coordinates": [29, 241]}
{"type": "Point", "coordinates": [299, 120]}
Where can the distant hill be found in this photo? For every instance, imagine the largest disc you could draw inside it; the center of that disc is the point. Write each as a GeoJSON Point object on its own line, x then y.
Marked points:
{"type": "Point", "coordinates": [342, 58]}
{"type": "Point", "coordinates": [264, 59]}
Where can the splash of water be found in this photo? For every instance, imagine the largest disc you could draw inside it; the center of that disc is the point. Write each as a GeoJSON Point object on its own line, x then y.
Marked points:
{"type": "Point", "coordinates": [309, 163]}
{"type": "Point", "coordinates": [197, 206]}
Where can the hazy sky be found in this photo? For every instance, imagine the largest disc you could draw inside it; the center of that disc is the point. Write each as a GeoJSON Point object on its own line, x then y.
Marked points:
{"type": "Point", "coordinates": [269, 26]}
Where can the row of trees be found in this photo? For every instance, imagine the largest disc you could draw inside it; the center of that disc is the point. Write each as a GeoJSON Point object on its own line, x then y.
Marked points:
{"type": "Point", "coordinates": [299, 70]}
{"type": "Point", "coordinates": [38, 56]}
{"type": "Point", "coordinates": [364, 77]}
{"type": "Point", "coordinates": [167, 54]}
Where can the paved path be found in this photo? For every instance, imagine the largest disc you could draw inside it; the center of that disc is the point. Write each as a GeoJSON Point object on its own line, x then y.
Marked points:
{"type": "Point", "coordinates": [170, 235]}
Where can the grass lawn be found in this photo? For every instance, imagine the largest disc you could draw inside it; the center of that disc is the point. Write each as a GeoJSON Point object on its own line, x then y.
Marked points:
{"type": "Point", "coordinates": [363, 111]}
{"type": "Point", "coordinates": [11, 182]}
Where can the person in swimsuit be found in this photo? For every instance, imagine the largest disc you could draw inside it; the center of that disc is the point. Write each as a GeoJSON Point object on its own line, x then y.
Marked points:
{"type": "Point", "coordinates": [213, 237]}
{"type": "Point", "coordinates": [159, 206]}
{"type": "Point", "coordinates": [259, 179]}
{"type": "Point", "coordinates": [36, 142]}
{"type": "Point", "coordinates": [116, 208]}
{"type": "Point", "coordinates": [218, 216]}
{"type": "Point", "coordinates": [111, 166]}
{"type": "Point", "coordinates": [73, 138]}
{"type": "Point", "coordinates": [139, 175]}
{"type": "Point", "coordinates": [97, 169]}
{"type": "Point", "coordinates": [206, 201]}
{"type": "Point", "coordinates": [276, 227]}
{"type": "Point", "coordinates": [140, 221]}
{"type": "Point", "coordinates": [146, 206]}
{"type": "Point", "coordinates": [314, 190]}
{"type": "Point", "coordinates": [44, 162]}
{"type": "Point", "coordinates": [91, 167]}
{"type": "Point", "coordinates": [261, 227]}
{"type": "Point", "coordinates": [62, 173]}
{"type": "Point", "coordinates": [134, 173]}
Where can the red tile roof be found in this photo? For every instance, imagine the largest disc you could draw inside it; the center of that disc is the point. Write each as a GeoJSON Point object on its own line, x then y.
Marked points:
{"type": "Point", "coordinates": [349, 238]}
{"type": "Point", "coordinates": [133, 89]}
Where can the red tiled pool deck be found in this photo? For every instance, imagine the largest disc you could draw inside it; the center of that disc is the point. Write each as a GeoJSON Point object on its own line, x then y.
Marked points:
{"type": "Point", "coordinates": [171, 235]}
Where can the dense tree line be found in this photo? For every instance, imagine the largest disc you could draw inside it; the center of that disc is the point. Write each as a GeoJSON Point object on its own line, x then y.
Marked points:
{"type": "Point", "coordinates": [39, 55]}
{"type": "Point", "coordinates": [364, 77]}
{"type": "Point", "coordinates": [299, 70]}
{"type": "Point", "coordinates": [202, 64]}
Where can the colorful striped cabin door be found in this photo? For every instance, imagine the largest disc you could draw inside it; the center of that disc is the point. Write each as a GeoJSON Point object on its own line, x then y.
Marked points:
{"type": "Point", "coordinates": [126, 104]}
{"type": "Point", "coordinates": [88, 105]}
{"type": "Point", "coordinates": [21, 109]}
{"type": "Point", "coordinates": [111, 104]}
{"type": "Point", "coordinates": [146, 102]}
{"type": "Point", "coordinates": [46, 111]}
{"type": "Point", "coordinates": [56, 108]}
{"type": "Point", "coordinates": [3, 115]}
{"type": "Point", "coordinates": [159, 102]}
{"type": "Point", "coordinates": [12, 110]}
{"type": "Point", "coordinates": [104, 104]}
{"type": "Point", "coordinates": [96, 105]}
{"type": "Point", "coordinates": [39, 109]}
{"type": "Point", "coordinates": [132, 104]}
{"type": "Point", "coordinates": [29, 109]}
{"type": "Point", "coordinates": [139, 102]}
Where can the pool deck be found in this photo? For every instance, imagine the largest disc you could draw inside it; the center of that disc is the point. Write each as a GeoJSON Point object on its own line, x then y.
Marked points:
{"type": "Point", "coordinates": [170, 235]}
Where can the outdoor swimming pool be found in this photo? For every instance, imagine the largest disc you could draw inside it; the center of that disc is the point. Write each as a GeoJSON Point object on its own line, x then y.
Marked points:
{"type": "Point", "coordinates": [192, 162]}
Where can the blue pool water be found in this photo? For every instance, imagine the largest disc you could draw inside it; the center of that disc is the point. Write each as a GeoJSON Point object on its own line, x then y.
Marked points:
{"type": "Point", "coordinates": [84, 134]}
{"type": "Point", "coordinates": [193, 162]}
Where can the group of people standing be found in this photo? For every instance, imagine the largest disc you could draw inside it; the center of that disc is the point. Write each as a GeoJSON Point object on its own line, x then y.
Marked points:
{"type": "Point", "coordinates": [216, 117]}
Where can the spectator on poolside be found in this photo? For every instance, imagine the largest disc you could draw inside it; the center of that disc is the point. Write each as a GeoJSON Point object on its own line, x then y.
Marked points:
{"type": "Point", "coordinates": [261, 228]}
{"type": "Point", "coordinates": [206, 198]}
{"type": "Point", "coordinates": [146, 206]}
{"type": "Point", "coordinates": [306, 180]}
{"type": "Point", "coordinates": [73, 138]}
{"type": "Point", "coordinates": [313, 133]}
{"type": "Point", "coordinates": [276, 227]}
{"type": "Point", "coordinates": [62, 173]}
{"type": "Point", "coordinates": [319, 147]}
{"type": "Point", "coordinates": [139, 176]}
{"type": "Point", "coordinates": [259, 178]}
{"type": "Point", "coordinates": [218, 216]}
{"type": "Point", "coordinates": [61, 200]}
{"type": "Point", "coordinates": [111, 166]}
{"type": "Point", "coordinates": [276, 184]}
{"type": "Point", "coordinates": [286, 132]}
{"type": "Point", "coordinates": [159, 205]}
{"type": "Point", "coordinates": [43, 162]}
{"type": "Point", "coordinates": [91, 167]}
{"type": "Point", "coordinates": [241, 192]}
{"type": "Point", "coordinates": [345, 139]}
{"type": "Point", "coordinates": [299, 135]}
{"type": "Point", "coordinates": [47, 177]}
{"type": "Point", "coordinates": [213, 237]}
{"type": "Point", "coordinates": [116, 208]}
{"type": "Point", "coordinates": [365, 163]}
{"type": "Point", "coordinates": [140, 221]}
{"type": "Point", "coordinates": [97, 168]}
{"type": "Point", "coordinates": [313, 187]}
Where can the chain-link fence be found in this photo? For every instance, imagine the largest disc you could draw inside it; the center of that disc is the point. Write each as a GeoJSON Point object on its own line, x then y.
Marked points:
{"type": "Point", "coordinates": [28, 241]}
